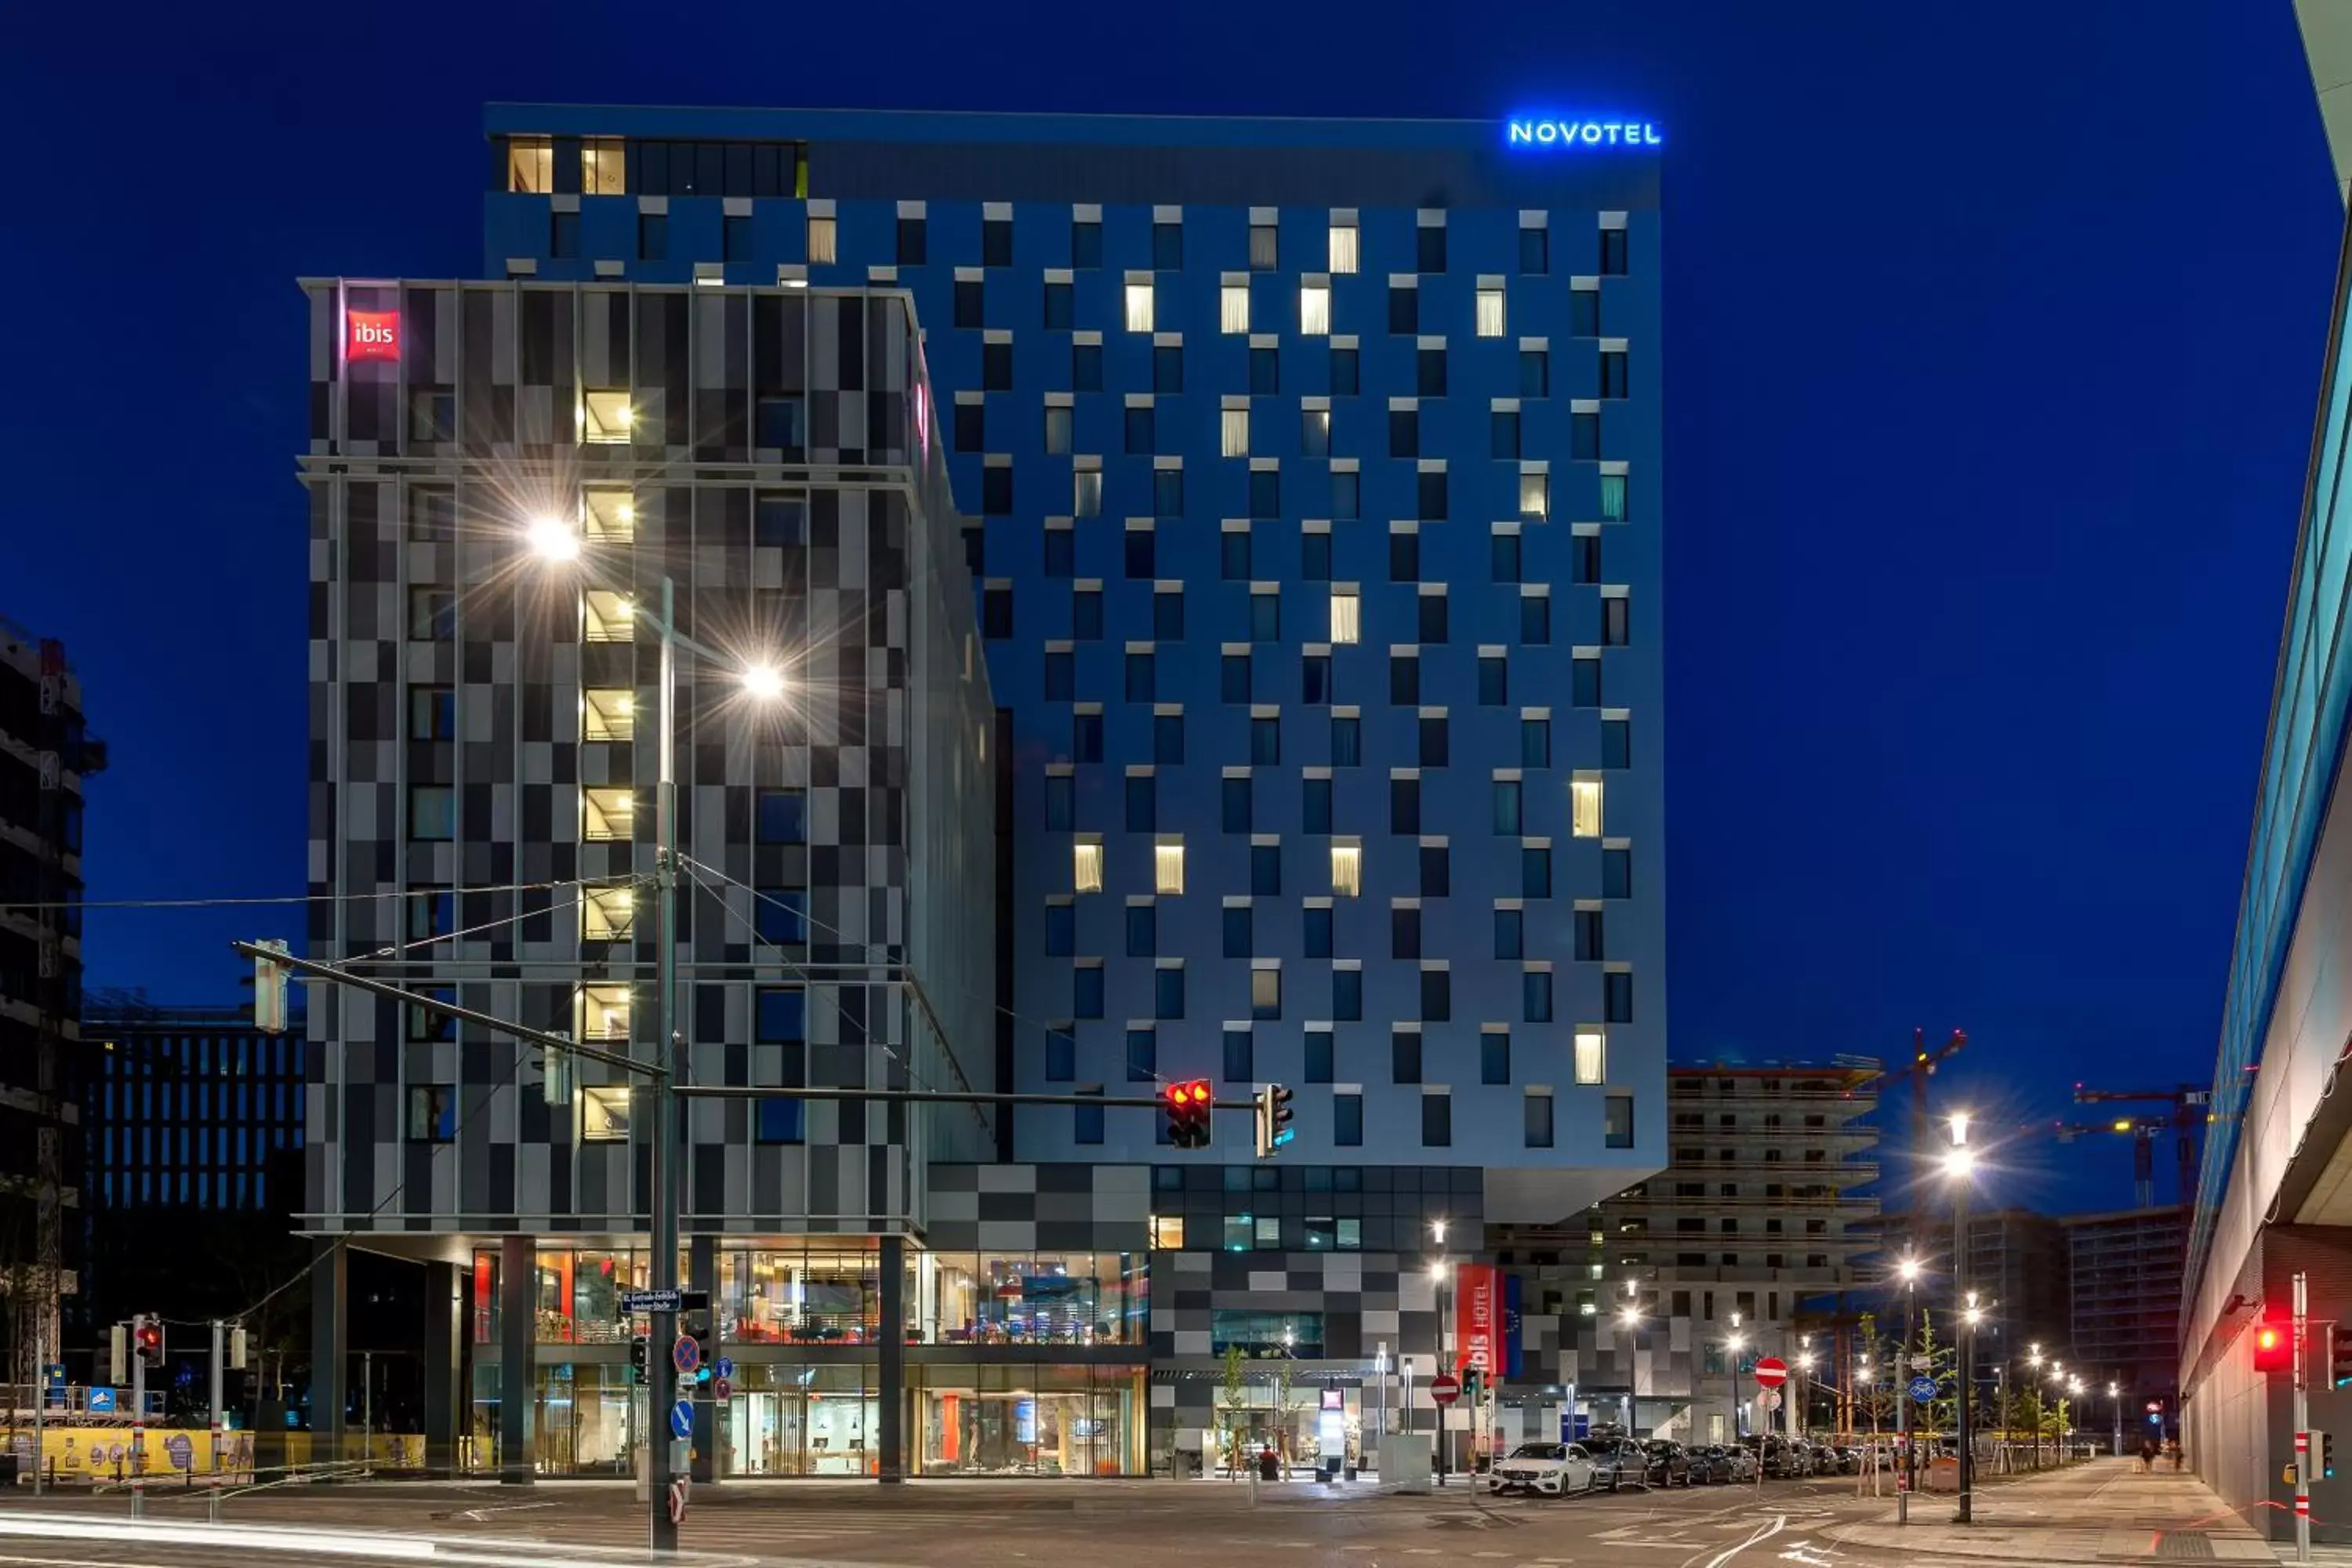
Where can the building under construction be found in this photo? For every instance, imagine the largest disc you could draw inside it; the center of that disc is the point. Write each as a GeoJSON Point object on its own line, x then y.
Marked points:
{"type": "Point", "coordinates": [46, 753]}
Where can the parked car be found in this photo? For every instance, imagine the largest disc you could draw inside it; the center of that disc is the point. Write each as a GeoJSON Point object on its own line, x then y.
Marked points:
{"type": "Point", "coordinates": [1785, 1461]}
{"type": "Point", "coordinates": [1715, 1464]}
{"type": "Point", "coordinates": [1825, 1461]}
{"type": "Point", "coordinates": [1546, 1469]}
{"type": "Point", "coordinates": [1618, 1462]}
{"type": "Point", "coordinates": [1850, 1460]}
{"type": "Point", "coordinates": [1666, 1463]}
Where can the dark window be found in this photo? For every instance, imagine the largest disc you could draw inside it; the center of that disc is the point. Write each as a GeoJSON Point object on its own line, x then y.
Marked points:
{"type": "Point", "coordinates": [1510, 934]}
{"type": "Point", "coordinates": [653, 236]}
{"type": "Point", "coordinates": [997, 367]}
{"type": "Point", "coordinates": [1538, 1110]}
{"type": "Point", "coordinates": [971, 426]}
{"type": "Point", "coordinates": [1535, 873]}
{"type": "Point", "coordinates": [1503, 434]}
{"type": "Point", "coordinates": [996, 613]}
{"type": "Point", "coordinates": [1584, 312]}
{"type": "Point", "coordinates": [1434, 622]}
{"type": "Point", "coordinates": [1168, 617]}
{"type": "Point", "coordinates": [1315, 804]}
{"type": "Point", "coordinates": [1433, 736]}
{"type": "Point", "coordinates": [1404, 310]}
{"type": "Point", "coordinates": [1086, 367]}
{"type": "Point", "coordinates": [1168, 992]}
{"type": "Point", "coordinates": [1142, 429]}
{"type": "Point", "coordinates": [1087, 989]}
{"type": "Point", "coordinates": [1437, 871]}
{"type": "Point", "coordinates": [1535, 618]}
{"type": "Point", "coordinates": [1616, 744]}
{"type": "Point", "coordinates": [1437, 995]}
{"type": "Point", "coordinates": [1058, 307]}
{"type": "Point", "coordinates": [1061, 931]}
{"type": "Point", "coordinates": [563, 235]}
{"type": "Point", "coordinates": [1168, 739]}
{"type": "Point", "coordinates": [996, 490]}
{"type": "Point", "coordinates": [996, 242]}
{"type": "Point", "coordinates": [1535, 373]}
{"type": "Point", "coordinates": [1237, 931]}
{"type": "Point", "coordinates": [1346, 741]}
{"type": "Point", "coordinates": [1347, 995]}
{"type": "Point", "coordinates": [1315, 680]}
{"type": "Point", "coordinates": [1347, 493]}
{"type": "Point", "coordinates": [1494, 1056]}
{"type": "Point", "coordinates": [1234, 554]}
{"type": "Point", "coordinates": [1616, 620]}
{"type": "Point", "coordinates": [969, 312]}
{"type": "Point", "coordinates": [1085, 614]}
{"type": "Point", "coordinates": [1535, 996]}
{"type": "Point", "coordinates": [1061, 803]}
{"type": "Point", "coordinates": [782, 917]}
{"type": "Point", "coordinates": [1404, 931]}
{"type": "Point", "coordinates": [1317, 922]}
{"type": "Point", "coordinates": [1166, 368]}
{"type": "Point", "coordinates": [1584, 682]}
{"type": "Point", "coordinates": [735, 239]}
{"type": "Point", "coordinates": [1315, 555]}
{"type": "Point", "coordinates": [1142, 804]}
{"type": "Point", "coordinates": [1617, 997]}
{"type": "Point", "coordinates": [1086, 244]}
{"type": "Point", "coordinates": [1265, 618]}
{"type": "Point", "coordinates": [1234, 803]}
{"type": "Point", "coordinates": [1535, 743]}
{"type": "Point", "coordinates": [1085, 737]}
{"type": "Point", "coordinates": [1086, 1120]}
{"type": "Point", "coordinates": [1503, 556]}
{"type": "Point", "coordinates": [914, 241]}
{"type": "Point", "coordinates": [1347, 1117]}
{"type": "Point", "coordinates": [1612, 374]}
{"type": "Point", "coordinates": [1584, 438]}
{"type": "Point", "coordinates": [1240, 1065]}
{"type": "Point", "coordinates": [1265, 492]}
{"type": "Point", "coordinates": [1139, 682]}
{"type": "Point", "coordinates": [1265, 743]}
{"type": "Point", "coordinates": [1429, 254]}
{"type": "Point", "coordinates": [1436, 1110]}
{"type": "Point", "coordinates": [1167, 247]}
{"type": "Point", "coordinates": [1404, 806]}
{"type": "Point", "coordinates": [1404, 555]}
{"type": "Point", "coordinates": [1404, 1057]}
{"type": "Point", "coordinates": [1061, 1056]}
{"type": "Point", "coordinates": [1584, 557]}
{"type": "Point", "coordinates": [781, 1120]}
{"type": "Point", "coordinates": [1061, 676]}
{"type": "Point", "coordinates": [1534, 251]}
{"type": "Point", "coordinates": [1167, 492]}
{"type": "Point", "coordinates": [1590, 942]}
{"type": "Point", "coordinates": [780, 816]}
{"type": "Point", "coordinates": [1234, 678]}
{"type": "Point", "coordinates": [1431, 495]}
{"type": "Point", "coordinates": [1494, 681]}
{"type": "Point", "coordinates": [1061, 553]}
{"type": "Point", "coordinates": [1617, 1121]}
{"type": "Point", "coordinates": [780, 522]}
{"type": "Point", "coordinates": [1142, 930]}
{"type": "Point", "coordinates": [1265, 870]}
{"type": "Point", "coordinates": [1613, 252]}
{"type": "Point", "coordinates": [1429, 373]}
{"type": "Point", "coordinates": [1404, 679]}
{"type": "Point", "coordinates": [1141, 556]}
{"type": "Point", "coordinates": [432, 713]}
{"type": "Point", "coordinates": [1507, 806]}
{"type": "Point", "coordinates": [1264, 371]}
{"type": "Point", "coordinates": [1616, 873]}
{"type": "Point", "coordinates": [1344, 373]}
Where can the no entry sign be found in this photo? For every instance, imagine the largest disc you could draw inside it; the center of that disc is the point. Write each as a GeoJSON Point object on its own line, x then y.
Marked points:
{"type": "Point", "coordinates": [1771, 1372]}
{"type": "Point", "coordinates": [1445, 1388]}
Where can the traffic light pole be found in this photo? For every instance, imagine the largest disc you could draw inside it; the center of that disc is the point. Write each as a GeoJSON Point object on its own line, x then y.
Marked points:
{"type": "Point", "coordinates": [138, 1431]}
{"type": "Point", "coordinates": [662, 1190]}
{"type": "Point", "coordinates": [2303, 1457]}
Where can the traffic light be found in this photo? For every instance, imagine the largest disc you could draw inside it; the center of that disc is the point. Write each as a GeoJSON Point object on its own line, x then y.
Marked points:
{"type": "Point", "coordinates": [702, 1363]}
{"type": "Point", "coordinates": [1274, 1114]}
{"type": "Point", "coordinates": [269, 991]}
{"type": "Point", "coordinates": [2339, 1355]}
{"type": "Point", "coordinates": [2324, 1443]}
{"type": "Point", "coordinates": [1474, 1382]}
{"type": "Point", "coordinates": [237, 1350]}
{"type": "Point", "coordinates": [147, 1339]}
{"type": "Point", "coordinates": [2273, 1350]}
{"type": "Point", "coordinates": [1190, 1110]}
{"type": "Point", "coordinates": [116, 1367]}
{"type": "Point", "coordinates": [637, 1357]}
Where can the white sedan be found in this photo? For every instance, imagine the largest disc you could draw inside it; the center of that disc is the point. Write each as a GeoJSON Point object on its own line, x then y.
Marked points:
{"type": "Point", "coordinates": [1548, 1470]}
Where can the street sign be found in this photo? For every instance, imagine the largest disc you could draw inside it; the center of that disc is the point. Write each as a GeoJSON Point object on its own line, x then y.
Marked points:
{"type": "Point", "coordinates": [1444, 1388]}
{"type": "Point", "coordinates": [1769, 1399]}
{"type": "Point", "coordinates": [724, 1366]}
{"type": "Point", "coordinates": [686, 1355]}
{"type": "Point", "coordinates": [665, 1302]}
{"type": "Point", "coordinates": [1922, 1389]}
{"type": "Point", "coordinates": [1921, 1362]}
{"type": "Point", "coordinates": [1771, 1372]}
{"type": "Point", "coordinates": [724, 1388]}
{"type": "Point", "coordinates": [101, 1402]}
{"type": "Point", "coordinates": [677, 1501]}
{"type": "Point", "coordinates": [681, 1419]}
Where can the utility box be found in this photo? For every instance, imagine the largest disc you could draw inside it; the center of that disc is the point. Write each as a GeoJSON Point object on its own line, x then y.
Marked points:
{"type": "Point", "coordinates": [1405, 1461]}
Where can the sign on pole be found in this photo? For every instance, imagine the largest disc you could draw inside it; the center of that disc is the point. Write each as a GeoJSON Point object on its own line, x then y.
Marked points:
{"type": "Point", "coordinates": [722, 1388]}
{"type": "Point", "coordinates": [1771, 1372]}
{"type": "Point", "coordinates": [681, 1419]}
{"type": "Point", "coordinates": [1444, 1388]}
{"type": "Point", "coordinates": [1922, 1389]}
{"type": "Point", "coordinates": [722, 1367]}
{"type": "Point", "coordinates": [686, 1355]}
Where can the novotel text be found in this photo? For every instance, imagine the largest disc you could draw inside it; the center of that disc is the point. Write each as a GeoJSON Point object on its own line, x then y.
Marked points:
{"type": "Point", "coordinates": [1584, 134]}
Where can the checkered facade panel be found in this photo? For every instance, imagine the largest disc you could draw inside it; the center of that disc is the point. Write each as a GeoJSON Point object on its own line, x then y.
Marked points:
{"type": "Point", "coordinates": [483, 752]}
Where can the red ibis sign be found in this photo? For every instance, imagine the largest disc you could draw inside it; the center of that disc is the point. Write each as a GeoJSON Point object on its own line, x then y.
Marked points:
{"type": "Point", "coordinates": [1771, 1372]}
{"type": "Point", "coordinates": [371, 334]}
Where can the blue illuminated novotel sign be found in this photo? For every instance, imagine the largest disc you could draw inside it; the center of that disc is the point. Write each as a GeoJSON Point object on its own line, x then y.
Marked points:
{"type": "Point", "coordinates": [1583, 133]}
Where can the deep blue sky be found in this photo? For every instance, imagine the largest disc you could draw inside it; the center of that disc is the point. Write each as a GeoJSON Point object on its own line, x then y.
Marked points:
{"type": "Point", "coordinates": [1993, 335]}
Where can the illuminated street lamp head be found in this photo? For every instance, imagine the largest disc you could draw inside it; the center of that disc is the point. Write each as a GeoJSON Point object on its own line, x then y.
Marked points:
{"type": "Point", "coordinates": [1908, 1268]}
{"type": "Point", "coordinates": [1805, 1359]}
{"type": "Point", "coordinates": [1630, 1315]}
{"type": "Point", "coordinates": [552, 539]}
{"type": "Point", "coordinates": [2111, 1391]}
{"type": "Point", "coordinates": [1735, 1341]}
{"type": "Point", "coordinates": [764, 681]}
{"type": "Point", "coordinates": [1959, 1162]}
{"type": "Point", "coordinates": [1437, 1231]}
{"type": "Point", "coordinates": [1960, 1128]}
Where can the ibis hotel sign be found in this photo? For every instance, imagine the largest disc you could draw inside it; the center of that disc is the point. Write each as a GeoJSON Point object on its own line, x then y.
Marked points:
{"type": "Point", "coordinates": [1531, 131]}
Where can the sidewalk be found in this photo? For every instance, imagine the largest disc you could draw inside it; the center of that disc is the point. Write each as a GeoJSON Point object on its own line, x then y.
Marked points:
{"type": "Point", "coordinates": [2094, 1512]}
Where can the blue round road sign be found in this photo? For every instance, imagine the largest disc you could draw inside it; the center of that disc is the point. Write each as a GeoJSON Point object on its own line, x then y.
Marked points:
{"type": "Point", "coordinates": [724, 1366]}
{"type": "Point", "coordinates": [686, 1355]}
{"type": "Point", "coordinates": [1922, 1389]}
{"type": "Point", "coordinates": [681, 1419]}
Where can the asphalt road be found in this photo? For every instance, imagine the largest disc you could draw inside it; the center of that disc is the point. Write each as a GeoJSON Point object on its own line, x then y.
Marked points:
{"type": "Point", "coordinates": [1014, 1525]}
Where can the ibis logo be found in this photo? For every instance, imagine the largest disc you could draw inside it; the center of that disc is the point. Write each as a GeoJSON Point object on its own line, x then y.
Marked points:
{"type": "Point", "coordinates": [371, 335]}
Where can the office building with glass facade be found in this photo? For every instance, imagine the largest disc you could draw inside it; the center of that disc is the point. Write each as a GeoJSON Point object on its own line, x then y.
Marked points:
{"type": "Point", "coordinates": [1306, 484]}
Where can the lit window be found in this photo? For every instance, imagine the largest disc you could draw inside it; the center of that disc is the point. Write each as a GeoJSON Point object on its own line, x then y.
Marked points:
{"type": "Point", "coordinates": [1490, 312]}
{"type": "Point", "coordinates": [606, 616]}
{"type": "Point", "coordinates": [530, 164]}
{"type": "Point", "coordinates": [1343, 247]}
{"type": "Point", "coordinates": [821, 241]}
{"type": "Point", "coordinates": [1347, 870]}
{"type": "Point", "coordinates": [607, 914]}
{"type": "Point", "coordinates": [1086, 497]}
{"type": "Point", "coordinates": [603, 167]}
{"type": "Point", "coordinates": [608, 713]}
{"type": "Point", "coordinates": [1232, 302]}
{"type": "Point", "coordinates": [1315, 309]}
{"type": "Point", "coordinates": [604, 1011]}
{"type": "Point", "coordinates": [1167, 868]}
{"type": "Point", "coordinates": [1344, 617]}
{"type": "Point", "coordinates": [1535, 495]}
{"type": "Point", "coordinates": [604, 419]}
{"type": "Point", "coordinates": [1236, 432]}
{"type": "Point", "coordinates": [1086, 866]}
{"type": "Point", "coordinates": [1168, 1231]}
{"type": "Point", "coordinates": [1263, 247]}
{"type": "Point", "coordinates": [1584, 803]}
{"type": "Point", "coordinates": [609, 516]}
{"type": "Point", "coordinates": [604, 1115]}
{"type": "Point", "coordinates": [606, 814]}
{"type": "Point", "coordinates": [1138, 307]}
{"type": "Point", "coordinates": [1592, 1057]}
{"type": "Point", "coordinates": [1265, 993]}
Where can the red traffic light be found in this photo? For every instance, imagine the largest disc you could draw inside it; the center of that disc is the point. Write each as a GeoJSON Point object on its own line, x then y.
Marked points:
{"type": "Point", "coordinates": [1189, 1103]}
{"type": "Point", "coordinates": [2272, 1349]}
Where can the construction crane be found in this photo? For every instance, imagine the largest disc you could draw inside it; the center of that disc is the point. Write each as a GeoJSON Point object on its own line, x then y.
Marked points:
{"type": "Point", "coordinates": [2143, 1131]}
{"type": "Point", "coordinates": [1919, 1070]}
{"type": "Point", "coordinates": [2191, 1108]}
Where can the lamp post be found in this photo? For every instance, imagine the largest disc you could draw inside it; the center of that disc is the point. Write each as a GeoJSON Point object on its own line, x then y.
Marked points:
{"type": "Point", "coordinates": [2034, 1380]}
{"type": "Point", "coordinates": [1960, 1163]}
{"type": "Point", "coordinates": [556, 540]}
{"type": "Point", "coordinates": [1629, 1318]}
{"type": "Point", "coordinates": [1909, 1271]}
{"type": "Point", "coordinates": [1439, 1269]}
{"type": "Point", "coordinates": [1731, 1392]}
{"type": "Point", "coordinates": [2115, 1401]}
{"type": "Point", "coordinates": [1803, 1405]}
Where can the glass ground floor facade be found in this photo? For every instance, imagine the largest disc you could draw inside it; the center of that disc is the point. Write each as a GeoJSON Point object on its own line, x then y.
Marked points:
{"type": "Point", "coordinates": [788, 1419]}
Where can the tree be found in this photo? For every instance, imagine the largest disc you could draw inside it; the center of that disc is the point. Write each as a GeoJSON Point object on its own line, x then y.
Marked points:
{"type": "Point", "coordinates": [1232, 1402]}
{"type": "Point", "coordinates": [1875, 1396]}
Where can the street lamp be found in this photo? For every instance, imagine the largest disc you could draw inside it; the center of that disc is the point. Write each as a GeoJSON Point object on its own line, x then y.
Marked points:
{"type": "Point", "coordinates": [2115, 1401]}
{"type": "Point", "coordinates": [557, 540]}
{"type": "Point", "coordinates": [1731, 1395]}
{"type": "Point", "coordinates": [1908, 1269]}
{"type": "Point", "coordinates": [1959, 1165]}
{"type": "Point", "coordinates": [1439, 1269]}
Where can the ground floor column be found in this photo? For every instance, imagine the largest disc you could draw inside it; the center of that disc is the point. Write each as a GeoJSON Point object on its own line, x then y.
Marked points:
{"type": "Point", "coordinates": [330, 1348]}
{"type": "Point", "coordinates": [891, 1418]}
{"type": "Point", "coordinates": [518, 1377]}
{"type": "Point", "coordinates": [702, 1274]}
{"type": "Point", "coordinates": [444, 1316]}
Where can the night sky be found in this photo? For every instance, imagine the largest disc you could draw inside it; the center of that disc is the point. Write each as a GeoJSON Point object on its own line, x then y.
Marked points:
{"type": "Point", "coordinates": [1993, 339]}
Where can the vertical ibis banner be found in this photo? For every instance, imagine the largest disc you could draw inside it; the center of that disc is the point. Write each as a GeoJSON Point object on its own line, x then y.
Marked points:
{"type": "Point", "coordinates": [1478, 1316]}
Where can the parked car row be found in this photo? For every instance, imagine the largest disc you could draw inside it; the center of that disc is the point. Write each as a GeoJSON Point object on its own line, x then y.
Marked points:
{"type": "Point", "coordinates": [1612, 1463]}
